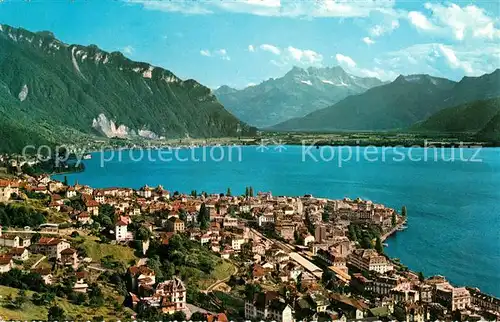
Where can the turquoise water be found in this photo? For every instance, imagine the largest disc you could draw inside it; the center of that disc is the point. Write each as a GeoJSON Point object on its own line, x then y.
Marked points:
{"type": "Point", "coordinates": [454, 207]}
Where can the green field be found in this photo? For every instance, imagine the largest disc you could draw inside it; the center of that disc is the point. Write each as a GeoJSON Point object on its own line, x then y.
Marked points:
{"type": "Point", "coordinates": [222, 271]}
{"type": "Point", "coordinates": [97, 251]}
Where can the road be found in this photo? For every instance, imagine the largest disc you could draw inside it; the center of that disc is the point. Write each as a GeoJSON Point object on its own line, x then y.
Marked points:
{"type": "Point", "coordinates": [30, 232]}
{"type": "Point", "coordinates": [392, 231]}
{"type": "Point", "coordinates": [100, 269]}
{"type": "Point", "coordinates": [38, 262]}
{"type": "Point", "coordinates": [217, 283]}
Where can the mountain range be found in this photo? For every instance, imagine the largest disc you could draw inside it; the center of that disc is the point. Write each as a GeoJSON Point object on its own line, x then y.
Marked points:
{"type": "Point", "coordinates": [397, 105]}
{"type": "Point", "coordinates": [297, 93]}
{"type": "Point", "coordinates": [47, 87]}
{"type": "Point", "coordinates": [51, 91]}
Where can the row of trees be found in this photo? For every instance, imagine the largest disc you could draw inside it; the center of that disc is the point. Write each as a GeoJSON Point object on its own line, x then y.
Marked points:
{"type": "Point", "coordinates": [249, 192]}
{"type": "Point", "coordinates": [394, 220]}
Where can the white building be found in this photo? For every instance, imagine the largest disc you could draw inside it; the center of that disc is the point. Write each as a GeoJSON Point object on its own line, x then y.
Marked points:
{"type": "Point", "coordinates": [267, 306]}
{"type": "Point", "coordinates": [236, 243]}
{"type": "Point", "coordinates": [7, 188]}
{"type": "Point", "coordinates": [369, 260]}
{"type": "Point", "coordinates": [121, 233]}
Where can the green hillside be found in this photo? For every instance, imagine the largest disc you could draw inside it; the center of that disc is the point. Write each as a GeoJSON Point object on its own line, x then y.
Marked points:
{"type": "Point", "coordinates": [46, 86]}
{"type": "Point", "coordinates": [491, 131]}
{"type": "Point", "coordinates": [469, 117]}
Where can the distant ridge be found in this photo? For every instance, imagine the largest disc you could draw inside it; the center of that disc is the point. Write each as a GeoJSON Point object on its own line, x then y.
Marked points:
{"type": "Point", "coordinates": [468, 117]}
{"type": "Point", "coordinates": [397, 105]}
{"type": "Point", "coordinates": [298, 92]}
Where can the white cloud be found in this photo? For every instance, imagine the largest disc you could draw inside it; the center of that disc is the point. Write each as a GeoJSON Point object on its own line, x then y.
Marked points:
{"type": "Point", "coordinates": [368, 41]}
{"type": "Point", "coordinates": [293, 56]}
{"type": "Point", "coordinates": [376, 72]}
{"type": "Point", "coordinates": [282, 8]}
{"type": "Point", "coordinates": [305, 56]}
{"type": "Point", "coordinates": [280, 64]}
{"type": "Point", "coordinates": [191, 7]}
{"type": "Point", "coordinates": [352, 67]}
{"type": "Point", "coordinates": [270, 48]}
{"type": "Point", "coordinates": [461, 23]}
{"type": "Point", "coordinates": [251, 48]}
{"type": "Point", "coordinates": [442, 60]}
{"type": "Point", "coordinates": [453, 60]}
{"type": "Point", "coordinates": [384, 27]}
{"type": "Point", "coordinates": [129, 50]}
{"type": "Point", "coordinates": [205, 52]}
{"type": "Point", "coordinates": [221, 53]}
{"type": "Point", "coordinates": [420, 21]}
{"type": "Point", "coordinates": [345, 61]}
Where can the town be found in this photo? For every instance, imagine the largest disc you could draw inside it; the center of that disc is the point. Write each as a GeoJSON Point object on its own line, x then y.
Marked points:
{"type": "Point", "coordinates": [74, 251]}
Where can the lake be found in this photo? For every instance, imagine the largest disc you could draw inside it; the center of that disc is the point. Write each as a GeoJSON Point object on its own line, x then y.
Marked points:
{"type": "Point", "coordinates": [453, 206]}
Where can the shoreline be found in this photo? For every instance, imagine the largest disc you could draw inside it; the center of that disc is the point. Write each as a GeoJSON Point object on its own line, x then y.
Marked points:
{"type": "Point", "coordinates": [383, 237]}
{"type": "Point", "coordinates": [423, 145]}
{"type": "Point", "coordinates": [393, 231]}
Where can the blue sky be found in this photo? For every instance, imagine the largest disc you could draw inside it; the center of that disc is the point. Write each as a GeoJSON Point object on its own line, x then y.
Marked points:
{"type": "Point", "coordinates": [241, 42]}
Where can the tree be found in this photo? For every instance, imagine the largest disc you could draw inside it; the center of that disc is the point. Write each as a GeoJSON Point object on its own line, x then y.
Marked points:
{"type": "Point", "coordinates": [155, 264]}
{"type": "Point", "coordinates": [228, 193]}
{"type": "Point", "coordinates": [44, 298]}
{"type": "Point", "coordinates": [310, 225]}
{"type": "Point", "coordinates": [394, 220]}
{"type": "Point", "coordinates": [251, 191]}
{"type": "Point", "coordinates": [56, 314]}
{"type": "Point", "coordinates": [421, 276]}
{"type": "Point", "coordinates": [352, 233]}
{"type": "Point", "coordinates": [19, 300]}
{"type": "Point", "coordinates": [143, 234]}
{"type": "Point", "coordinates": [65, 182]}
{"type": "Point", "coordinates": [182, 215]}
{"type": "Point", "coordinates": [198, 316]}
{"type": "Point", "coordinates": [203, 217]}
{"type": "Point", "coordinates": [325, 216]}
{"type": "Point", "coordinates": [299, 282]}
{"type": "Point", "coordinates": [366, 242]}
{"type": "Point", "coordinates": [403, 211]}
{"type": "Point", "coordinates": [247, 192]}
{"type": "Point", "coordinates": [35, 238]}
{"type": "Point", "coordinates": [378, 246]}
{"type": "Point", "coordinates": [327, 276]}
{"type": "Point", "coordinates": [251, 290]}
{"type": "Point", "coordinates": [147, 312]}
{"type": "Point", "coordinates": [177, 316]}
{"type": "Point", "coordinates": [96, 298]}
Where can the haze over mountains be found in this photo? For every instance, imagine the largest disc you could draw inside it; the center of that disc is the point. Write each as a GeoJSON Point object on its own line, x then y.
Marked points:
{"type": "Point", "coordinates": [397, 105]}
{"type": "Point", "coordinates": [47, 87]}
{"type": "Point", "coordinates": [296, 94]}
